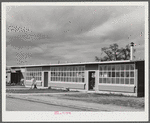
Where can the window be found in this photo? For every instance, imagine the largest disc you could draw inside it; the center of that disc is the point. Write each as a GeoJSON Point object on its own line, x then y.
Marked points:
{"type": "Point", "coordinates": [68, 74]}
{"type": "Point", "coordinates": [36, 72]}
{"type": "Point", "coordinates": [117, 74]}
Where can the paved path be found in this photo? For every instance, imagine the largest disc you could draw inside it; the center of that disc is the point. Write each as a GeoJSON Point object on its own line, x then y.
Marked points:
{"type": "Point", "coordinates": [72, 103]}
{"type": "Point", "coordinates": [24, 105]}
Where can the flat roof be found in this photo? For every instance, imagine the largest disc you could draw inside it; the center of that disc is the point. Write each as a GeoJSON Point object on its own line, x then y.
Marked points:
{"type": "Point", "coordinates": [81, 63]}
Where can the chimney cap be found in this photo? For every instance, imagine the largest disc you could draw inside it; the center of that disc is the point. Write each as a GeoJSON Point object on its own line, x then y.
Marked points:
{"type": "Point", "coordinates": [132, 44]}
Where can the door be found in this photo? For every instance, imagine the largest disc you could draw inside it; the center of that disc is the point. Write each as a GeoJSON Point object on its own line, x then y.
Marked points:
{"type": "Point", "coordinates": [45, 79]}
{"type": "Point", "coordinates": [91, 80]}
{"type": "Point", "coordinates": [14, 77]}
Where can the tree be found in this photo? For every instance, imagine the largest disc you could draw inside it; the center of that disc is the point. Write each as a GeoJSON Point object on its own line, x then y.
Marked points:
{"type": "Point", "coordinates": [113, 53]}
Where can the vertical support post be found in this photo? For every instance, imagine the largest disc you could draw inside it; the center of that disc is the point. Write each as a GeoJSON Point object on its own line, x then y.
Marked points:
{"type": "Point", "coordinates": [49, 77]}
{"type": "Point", "coordinates": [136, 82]}
{"type": "Point", "coordinates": [96, 80]}
{"type": "Point", "coordinates": [42, 78]}
{"type": "Point", "coordinates": [86, 80]}
{"type": "Point", "coordinates": [25, 76]}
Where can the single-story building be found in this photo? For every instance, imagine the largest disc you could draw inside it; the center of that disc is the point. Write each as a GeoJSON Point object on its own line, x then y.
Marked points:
{"type": "Point", "coordinates": [111, 76]}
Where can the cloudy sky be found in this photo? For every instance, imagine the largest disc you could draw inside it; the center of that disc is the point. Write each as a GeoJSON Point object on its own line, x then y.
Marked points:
{"type": "Point", "coordinates": [48, 34]}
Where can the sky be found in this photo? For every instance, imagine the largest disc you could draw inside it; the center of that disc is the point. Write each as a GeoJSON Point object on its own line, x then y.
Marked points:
{"type": "Point", "coordinates": [52, 34]}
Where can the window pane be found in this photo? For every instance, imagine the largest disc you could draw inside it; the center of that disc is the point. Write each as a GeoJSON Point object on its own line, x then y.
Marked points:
{"type": "Point", "coordinates": [105, 74]}
{"type": "Point", "coordinates": [109, 74]}
{"type": "Point", "coordinates": [82, 74]}
{"type": "Point", "coordinates": [113, 67]}
{"type": "Point", "coordinates": [108, 80]}
{"type": "Point", "coordinates": [132, 67]}
{"type": "Point", "coordinates": [104, 80]}
{"type": "Point", "coordinates": [122, 80]}
{"type": "Point", "coordinates": [131, 81]}
{"type": "Point", "coordinates": [132, 74]}
{"type": "Point", "coordinates": [100, 80]}
{"type": "Point", "coordinates": [127, 67]}
{"type": "Point", "coordinates": [73, 73]}
{"type": "Point", "coordinates": [109, 67]}
{"type": "Point", "coordinates": [105, 67]}
{"type": "Point", "coordinates": [113, 74]}
{"type": "Point", "coordinates": [65, 79]}
{"type": "Point", "coordinates": [122, 74]}
{"type": "Point", "coordinates": [122, 67]}
{"type": "Point", "coordinates": [79, 68]}
{"type": "Point", "coordinates": [64, 73]}
{"type": "Point", "coordinates": [69, 68]}
{"type": "Point", "coordinates": [127, 74]}
{"type": "Point", "coordinates": [77, 80]}
{"type": "Point", "coordinates": [117, 67]}
{"type": "Point", "coordinates": [126, 81]}
{"type": "Point", "coordinates": [117, 74]}
{"type": "Point", "coordinates": [113, 81]}
{"type": "Point", "coordinates": [82, 79]}
{"type": "Point", "coordinates": [100, 68]}
{"type": "Point", "coordinates": [117, 80]}
{"type": "Point", "coordinates": [100, 74]}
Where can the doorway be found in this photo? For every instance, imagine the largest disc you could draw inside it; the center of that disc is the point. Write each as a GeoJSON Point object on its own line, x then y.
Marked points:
{"type": "Point", "coordinates": [45, 79]}
{"type": "Point", "coordinates": [16, 77]}
{"type": "Point", "coordinates": [91, 80]}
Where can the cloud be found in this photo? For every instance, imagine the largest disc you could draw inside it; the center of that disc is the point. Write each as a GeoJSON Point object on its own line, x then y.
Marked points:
{"type": "Point", "coordinates": [69, 33]}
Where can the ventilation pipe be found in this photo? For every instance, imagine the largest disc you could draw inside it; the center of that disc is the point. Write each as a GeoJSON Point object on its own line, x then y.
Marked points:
{"type": "Point", "coordinates": [131, 51]}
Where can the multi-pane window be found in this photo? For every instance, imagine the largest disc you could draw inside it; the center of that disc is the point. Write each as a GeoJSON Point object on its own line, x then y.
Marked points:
{"type": "Point", "coordinates": [36, 72]}
{"type": "Point", "coordinates": [68, 74]}
{"type": "Point", "coordinates": [117, 74]}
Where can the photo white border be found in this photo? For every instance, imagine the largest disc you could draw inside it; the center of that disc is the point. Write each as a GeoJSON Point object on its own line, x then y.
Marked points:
{"type": "Point", "coordinates": [74, 116]}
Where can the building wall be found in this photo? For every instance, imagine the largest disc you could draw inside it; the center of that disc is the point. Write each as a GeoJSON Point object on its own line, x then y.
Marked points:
{"type": "Point", "coordinates": [91, 67]}
{"type": "Point", "coordinates": [8, 77]}
{"type": "Point", "coordinates": [114, 77]}
{"type": "Point", "coordinates": [140, 78]}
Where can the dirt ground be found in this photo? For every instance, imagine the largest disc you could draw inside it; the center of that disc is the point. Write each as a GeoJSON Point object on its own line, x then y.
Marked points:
{"type": "Point", "coordinates": [119, 100]}
{"type": "Point", "coordinates": [135, 102]}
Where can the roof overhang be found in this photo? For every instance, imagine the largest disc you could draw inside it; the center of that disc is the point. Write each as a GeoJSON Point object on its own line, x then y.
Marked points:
{"type": "Point", "coordinates": [68, 64]}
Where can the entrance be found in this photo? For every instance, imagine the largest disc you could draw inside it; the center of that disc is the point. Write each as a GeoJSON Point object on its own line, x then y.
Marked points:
{"type": "Point", "coordinates": [91, 80]}
{"type": "Point", "coordinates": [45, 79]}
{"type": "Point", "coordinates": [16, 77]}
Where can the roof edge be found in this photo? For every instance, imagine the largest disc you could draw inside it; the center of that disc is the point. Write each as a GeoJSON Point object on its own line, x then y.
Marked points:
{"type": "Point", "coordinates": [81, 63]}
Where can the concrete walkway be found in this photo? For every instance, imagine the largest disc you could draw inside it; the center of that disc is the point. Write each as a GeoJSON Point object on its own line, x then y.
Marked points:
{"type": "Point", "coordinates": [55, 100]}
